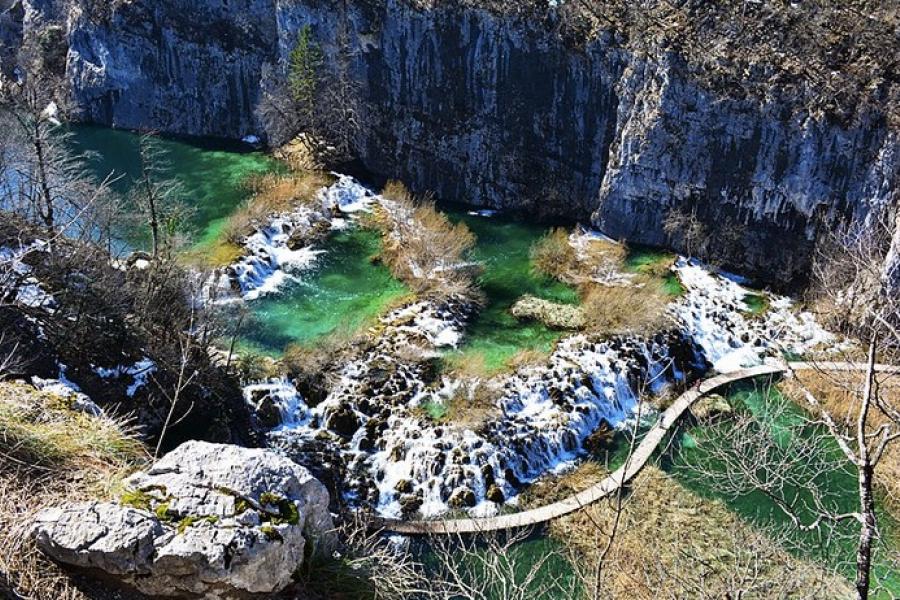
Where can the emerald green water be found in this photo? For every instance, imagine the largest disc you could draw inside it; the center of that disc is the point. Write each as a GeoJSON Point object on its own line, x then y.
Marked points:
{"type": "Point", "coordinates": [343, 292]}
{"type": "Point", "coordinates": [345, 289]}
{"type": "Point", "coordinates": [833, 545]}
{"type": "Point", "coordinates": [503, 249]}
{"type": "Point", "coordinates": [212, 174]}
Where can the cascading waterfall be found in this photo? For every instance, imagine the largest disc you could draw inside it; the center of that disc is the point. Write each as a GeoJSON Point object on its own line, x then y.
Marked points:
{"type": "Point", "coordinates": [713, 314]}
{"type": "Point", "coordinates": [372, 429]}
{"type": "Point", "coordinates": [270, 258]}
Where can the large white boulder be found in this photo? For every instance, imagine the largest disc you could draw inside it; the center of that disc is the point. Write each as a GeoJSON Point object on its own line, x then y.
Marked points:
{"type": "Point", "coordinates": [209, 520]}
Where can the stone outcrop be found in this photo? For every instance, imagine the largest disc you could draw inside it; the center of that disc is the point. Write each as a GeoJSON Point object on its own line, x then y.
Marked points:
{"type": "Point", "coordinates": [209, 520]}
{"type": "Point", "coordinates": [499, 111]}
{"type": "Point", "coordinates": [552, 314]}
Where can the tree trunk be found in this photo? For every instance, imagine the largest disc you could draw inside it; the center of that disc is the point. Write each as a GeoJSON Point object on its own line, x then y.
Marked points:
{"type": "Point", "coordinates": [47, 196]}
{"type": "Point", "coordinates": [865, 468]}
{"type": "Point", "coordinates": [866, 533]}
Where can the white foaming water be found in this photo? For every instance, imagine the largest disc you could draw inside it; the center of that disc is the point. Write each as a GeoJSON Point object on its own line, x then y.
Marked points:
{"type": "Point", "coordinates": [270, 263]}
{"type": "Point", "coordinates": [68, 390]}
{"type": "Point", "coordinates": [373, 418]}
{"type": "Point", "coordinates": [139, 372]}
{"type": "Point", "coordinates": [284, 396]}
{"type": "Point", "coordinates": [713, 310]}
{"type": "Point", "coordinates": [543, 414]}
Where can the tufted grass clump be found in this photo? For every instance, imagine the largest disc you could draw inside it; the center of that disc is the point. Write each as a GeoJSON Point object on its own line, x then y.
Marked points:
{"type": "Point", "coordinates": [49, 455]}
{"type": "Point", "coordinates": [35, 431]}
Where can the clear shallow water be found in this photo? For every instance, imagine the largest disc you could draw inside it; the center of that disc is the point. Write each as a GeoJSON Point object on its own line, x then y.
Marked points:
{"type": "Point", "coordinates": [503, 247]}
{"type": "Point", "coordinates": [342, 292]}
{"type": "Point", "coordinates": [834, 544]}
{"type": "Point", "coordinates": [212, 173]}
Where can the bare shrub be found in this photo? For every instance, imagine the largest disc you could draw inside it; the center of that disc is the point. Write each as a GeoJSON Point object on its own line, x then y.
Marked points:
{"type": "Point", "coordinates": [423, 248]}
{"type": "Point", "coordinates": [553, 255]}
{"type": "Point", "coordinates": [838, 394]}
{"type": "Point", "coordinates": [365, 565]}
{"type": "Point", "coordinates": [686, 230]}
{"type": "Point", "coordinates": [488, 566]}
{"type": "Point", "coordinates": [611, 310]}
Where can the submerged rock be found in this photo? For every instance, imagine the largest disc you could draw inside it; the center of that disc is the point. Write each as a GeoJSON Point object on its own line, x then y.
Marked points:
{"type": "Point", "coordinates": [710, 407]}
{"type": "Point", "coordinates": [212, 520]}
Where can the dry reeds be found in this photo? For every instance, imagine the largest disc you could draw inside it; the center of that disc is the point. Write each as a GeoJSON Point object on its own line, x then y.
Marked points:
{"type": "Point", "coordinates": [423, 248]}
{"type": "Point", "coordinates": [273, 194]}
{"type": "Point", "coordinates": [49, 455]}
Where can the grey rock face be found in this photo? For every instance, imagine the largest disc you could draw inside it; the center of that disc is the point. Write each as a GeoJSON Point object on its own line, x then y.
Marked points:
{"type": "Point", "coordinates": [488, 110]}
{"type": "Point", "coordinates": [110, 537]}
{"type": "Point", "coordinates": [213, 520]}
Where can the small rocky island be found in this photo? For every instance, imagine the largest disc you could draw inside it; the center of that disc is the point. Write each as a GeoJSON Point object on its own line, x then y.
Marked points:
{"type": "Point", "coordinates": [393, 299]}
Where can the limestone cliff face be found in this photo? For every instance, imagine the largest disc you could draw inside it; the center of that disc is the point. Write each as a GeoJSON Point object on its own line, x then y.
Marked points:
{"type": "Point", "coordinates": [488, 110]}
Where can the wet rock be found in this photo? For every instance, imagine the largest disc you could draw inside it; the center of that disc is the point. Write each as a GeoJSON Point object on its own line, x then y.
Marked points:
{"type": "Point", "coordinates": [343, 421]}
{"type": "Point", "coordinates": [404, 486]}
{"type": "Point", "coordinates": [267, 413]}
{"type": "Point", "coordinates": [410, 503]}
{"type": "Point", "coordinates": [601, 440]}
{"type": "Point", "coordinates": [462, 498]}
{"type": "Point", "coordinates": [495, 495]}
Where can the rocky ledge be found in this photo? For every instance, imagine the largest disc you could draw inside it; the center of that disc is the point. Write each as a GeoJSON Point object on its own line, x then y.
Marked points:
{"type": "Point", "coordinates": [210, 520]}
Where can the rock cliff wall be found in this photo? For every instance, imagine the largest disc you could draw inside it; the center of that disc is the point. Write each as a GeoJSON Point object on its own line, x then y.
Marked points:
{"type": "Point", "coordinates": [501, 111]}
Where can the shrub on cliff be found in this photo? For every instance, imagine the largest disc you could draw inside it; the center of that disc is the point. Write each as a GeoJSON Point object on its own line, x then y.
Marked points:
{"type": "Point", "coordinates": [77, 307]}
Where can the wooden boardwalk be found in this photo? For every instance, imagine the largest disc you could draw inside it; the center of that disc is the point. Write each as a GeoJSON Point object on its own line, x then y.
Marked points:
{"type": "Point", "coordinates": [611, 483]}
{"type": "Point", "coordinates": [642, 453]}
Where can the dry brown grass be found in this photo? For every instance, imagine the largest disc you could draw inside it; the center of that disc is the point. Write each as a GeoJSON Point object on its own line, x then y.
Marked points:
{"type": "Point", "coordinates": [553, 255]}
{"type": "Point", "coordinates": [672, 543]}
{"type": "Point", "coordinates": [839, 394]}
{"type": "Point", "coordinates": [50, 455]}
{"type": "Point", "coordinates": [423, 248]}
{"type": "Point", "coordinates": [472, 406]}
{"type": "Point", "coordinates": [612, 310]}
{"type": "Point", "coordinates": [527, 357]}
{"type": "Point", "coordinates": [553, 489]}
{"type": "Point", "coordinates": [273, 194]}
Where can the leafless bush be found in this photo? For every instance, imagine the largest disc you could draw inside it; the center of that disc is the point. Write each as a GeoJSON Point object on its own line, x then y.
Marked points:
{"type": "Point", "coordinates": [365, 565]}
{"type": "Point", "coordinates": [423, 248]}
{"type": "Point", "coordinates": [627, 309]}
{"type": "Point", "coordinates": [487, 566]}
{"type": "Point", "coordinates": [553, 255]}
